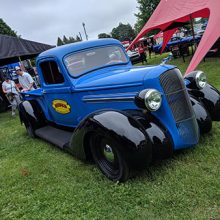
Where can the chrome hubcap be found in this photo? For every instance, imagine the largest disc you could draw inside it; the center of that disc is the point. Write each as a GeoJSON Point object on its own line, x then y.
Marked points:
{"type": "Point", "coordinates": [108, 153]}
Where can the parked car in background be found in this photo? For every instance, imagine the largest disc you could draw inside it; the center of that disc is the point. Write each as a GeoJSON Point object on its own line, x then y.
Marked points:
{"type": "Point", "coordinates": [176, 41]}
{"type": "Point", "coordinates": [97, 106]}
{"type": "Point", "coordinates": [200, 33]}
{"type": "Point", "coordinates": [134, 56]}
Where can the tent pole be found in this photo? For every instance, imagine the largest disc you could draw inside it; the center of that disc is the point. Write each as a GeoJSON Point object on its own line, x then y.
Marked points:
{"type": "Point", "coordinates": [21, 64]}
{"type": "Point", "coordinates": [193, 33]}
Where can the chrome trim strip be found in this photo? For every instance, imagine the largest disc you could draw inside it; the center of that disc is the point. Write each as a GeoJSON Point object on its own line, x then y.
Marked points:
{"type": "Point", "coordinates": [110, 99]}
{"type": "Point", "coordinates": [78, 89]}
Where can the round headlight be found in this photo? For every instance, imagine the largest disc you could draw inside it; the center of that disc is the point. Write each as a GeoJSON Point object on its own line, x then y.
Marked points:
{"type": "Point", "coordinates": [153, 99]}
{"type": "Point", "coordinates": [201, 79]}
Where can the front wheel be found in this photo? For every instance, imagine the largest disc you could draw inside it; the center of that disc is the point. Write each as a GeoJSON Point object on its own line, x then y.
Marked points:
{"type": "Point", "coordinates": [109, 159]}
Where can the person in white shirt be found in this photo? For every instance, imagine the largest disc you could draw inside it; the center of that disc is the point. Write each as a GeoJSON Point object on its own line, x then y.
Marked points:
{"type": "Point", "coordinates": [25, 80]}
{"type": "Point", "coordinates": [12, 93]}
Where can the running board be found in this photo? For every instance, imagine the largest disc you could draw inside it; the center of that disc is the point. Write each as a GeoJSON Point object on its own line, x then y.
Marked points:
{"type": "Point", "coordinates": [55, 136]}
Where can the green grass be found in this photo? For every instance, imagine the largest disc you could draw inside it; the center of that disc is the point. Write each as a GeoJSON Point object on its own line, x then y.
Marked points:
{"type": "Point", "coordinates": [39, 181]}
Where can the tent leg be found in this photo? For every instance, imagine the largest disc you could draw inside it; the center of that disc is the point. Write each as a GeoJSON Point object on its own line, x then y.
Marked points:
{"type": "Point", "coordinates": [193, 33]}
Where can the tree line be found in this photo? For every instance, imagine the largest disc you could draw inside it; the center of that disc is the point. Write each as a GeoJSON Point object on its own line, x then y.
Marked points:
{"type": "Point", "coordinates": [68, 40]}
{"type": "Point", "coordinates": [124, 32]}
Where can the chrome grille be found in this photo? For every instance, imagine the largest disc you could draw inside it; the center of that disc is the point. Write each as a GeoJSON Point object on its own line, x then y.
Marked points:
{"type": "Point", "coordinates": [176, 95]}
{"type": "Point", "coordinates": [171, 81]}
{"type": "Point", "coordinates": [180, 105]}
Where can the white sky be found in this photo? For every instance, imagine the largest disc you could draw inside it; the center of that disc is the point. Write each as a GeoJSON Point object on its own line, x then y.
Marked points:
{"type": "Point", "coordinates": [44, 20]}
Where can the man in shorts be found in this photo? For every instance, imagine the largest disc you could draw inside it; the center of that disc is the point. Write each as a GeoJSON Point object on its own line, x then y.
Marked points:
{"type": "Point", "coordinates": [25, 80]}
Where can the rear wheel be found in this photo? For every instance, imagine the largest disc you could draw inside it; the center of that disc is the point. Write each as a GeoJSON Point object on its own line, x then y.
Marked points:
{"type": "Point", "coordinates": [29, 128]}
{"type": "Point", "coordinates": [109, 159]}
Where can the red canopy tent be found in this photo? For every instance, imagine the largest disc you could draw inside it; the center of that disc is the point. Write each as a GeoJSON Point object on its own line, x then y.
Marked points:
{"type": "Point", "coordinates": [169, 14]}
{"type": "Point", "coordinates": [159, 35]}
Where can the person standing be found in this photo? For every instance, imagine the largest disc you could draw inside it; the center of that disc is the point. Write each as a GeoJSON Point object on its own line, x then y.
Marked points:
{"type": "Point", "coordinates": [25, 80]}
{"type": "Point", "coordinates": [142, 54]}
{"type": "Point", "coordinates": [150, 48]}
{"type": "Point", "coordinates": [11, 91]}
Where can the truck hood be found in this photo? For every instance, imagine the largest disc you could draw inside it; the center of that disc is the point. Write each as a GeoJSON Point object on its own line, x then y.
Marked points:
{"type": "Point", "coordinates": [119, 77]}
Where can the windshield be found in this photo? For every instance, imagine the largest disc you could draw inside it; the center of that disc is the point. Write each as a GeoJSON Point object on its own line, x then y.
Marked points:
{"type": "Point", "coordinates": [82, 62]}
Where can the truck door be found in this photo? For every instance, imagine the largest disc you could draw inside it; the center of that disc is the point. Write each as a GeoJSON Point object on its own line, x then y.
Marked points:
{"type": "Point", "coordinates": [58, 96]}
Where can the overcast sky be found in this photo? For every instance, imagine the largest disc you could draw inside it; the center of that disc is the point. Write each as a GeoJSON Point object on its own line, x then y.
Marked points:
{"type": "Point", "coordinates": [45, 20]}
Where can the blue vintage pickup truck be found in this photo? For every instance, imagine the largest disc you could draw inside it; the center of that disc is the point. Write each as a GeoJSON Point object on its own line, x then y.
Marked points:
{"type": "Point", "coordinates": [96, 105]}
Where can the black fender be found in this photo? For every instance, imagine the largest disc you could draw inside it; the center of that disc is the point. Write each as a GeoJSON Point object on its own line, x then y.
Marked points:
{"type": "Point", "coordinates": [202, 115]}
{"type": "Point", "coordinates": [209, 96]}
{"type": "Point", "coordinates": [135, 144]}
{"type": "Point", "coordinates": [141, 137]}
{"type": "Point", "coordinates": [30, 111]}
{"type": "Point", "coordinates": [161, 139]}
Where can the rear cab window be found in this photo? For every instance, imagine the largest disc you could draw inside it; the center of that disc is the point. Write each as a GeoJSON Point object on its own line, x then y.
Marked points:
{"type": "Point", "coordinates": [51, 72]}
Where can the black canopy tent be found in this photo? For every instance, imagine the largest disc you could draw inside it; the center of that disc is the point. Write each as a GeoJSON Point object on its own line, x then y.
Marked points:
{"type": "Point", "coordinates": [14, 49]}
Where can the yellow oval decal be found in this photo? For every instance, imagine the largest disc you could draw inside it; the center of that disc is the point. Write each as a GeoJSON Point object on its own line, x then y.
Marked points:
{"type": "Point", "coordinates": [61, 106]}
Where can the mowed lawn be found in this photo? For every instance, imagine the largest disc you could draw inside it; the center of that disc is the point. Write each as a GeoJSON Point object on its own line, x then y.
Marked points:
{"type": "Point", "coordinates": [39, 181]}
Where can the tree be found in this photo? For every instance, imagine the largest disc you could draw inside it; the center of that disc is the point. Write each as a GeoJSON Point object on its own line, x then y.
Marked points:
{"type": "Point", "coordinates": [6, 30]}
{"type": "Point", "coordinates": [146, 9]}
{"type": "Point", "coordinates": [71, 40]}
{"type": "Point", "coordinates": [104, 35]}
{"type": "Point", "coordinates": [65, 40]}
{"type": "Point", "coordinates": [59, 41]}
{"type": "Point", "coordinates": [123, 32]}
{"type": "Point", "coordinates": [78, 38]}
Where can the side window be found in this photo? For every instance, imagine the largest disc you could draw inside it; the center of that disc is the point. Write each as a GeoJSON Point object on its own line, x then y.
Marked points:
{"type": "Point", "coordinates": [51, 72]}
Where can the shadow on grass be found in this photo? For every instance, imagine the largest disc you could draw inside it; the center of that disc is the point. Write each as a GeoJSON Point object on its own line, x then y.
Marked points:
{"type": "Point", "coordinates": [161, 167]}
{"type": "Point", "coordinates": [157, 169]}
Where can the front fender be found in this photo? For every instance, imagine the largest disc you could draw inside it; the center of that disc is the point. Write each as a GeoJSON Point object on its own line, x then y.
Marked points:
{"type": "Point", "coordinates": [202, 116]}
{"type": "Point", "coordinates": [134, 143]}
{"type": "Point", "coordinates": [210, 97]}
{"type": "Point", "coordinates": [161, 140]}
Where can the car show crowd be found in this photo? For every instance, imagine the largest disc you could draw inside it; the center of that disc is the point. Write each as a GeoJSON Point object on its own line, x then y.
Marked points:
{"type": "Point", "coordinates": [12, 90]}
